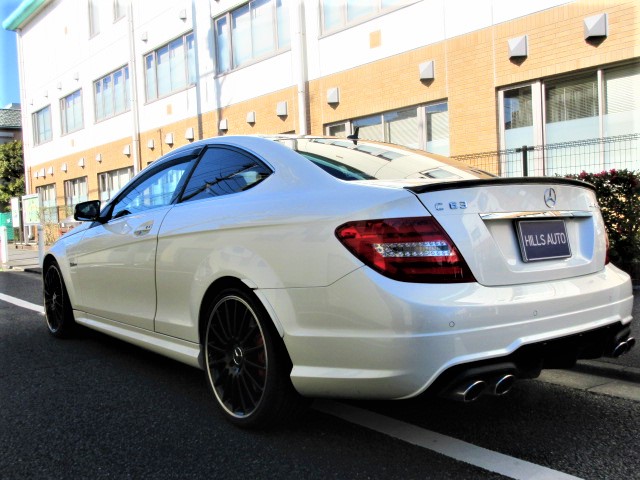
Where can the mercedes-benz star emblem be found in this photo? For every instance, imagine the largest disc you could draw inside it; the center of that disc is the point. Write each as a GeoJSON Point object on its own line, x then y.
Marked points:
{"type": "Point", "coordinates": [550, 197]}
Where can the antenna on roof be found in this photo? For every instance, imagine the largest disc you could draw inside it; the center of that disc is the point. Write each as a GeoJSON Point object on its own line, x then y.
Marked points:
{"type": "Point", "coordinates": [354, 137]}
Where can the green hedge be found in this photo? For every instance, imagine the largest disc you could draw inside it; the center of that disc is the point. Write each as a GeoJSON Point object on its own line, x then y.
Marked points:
{"type": "Point", "coordinates": [618, 194]}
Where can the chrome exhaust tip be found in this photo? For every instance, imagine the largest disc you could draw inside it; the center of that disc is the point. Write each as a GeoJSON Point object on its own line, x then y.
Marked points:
{"type": "Point", "coordinates": [631, 342]}
{"type": "Point", "coordinates": [621, 348]}
{"type": "Point", "coordinates": [468, 391]}
{"type": "Point", "coordinates": [503, 384]}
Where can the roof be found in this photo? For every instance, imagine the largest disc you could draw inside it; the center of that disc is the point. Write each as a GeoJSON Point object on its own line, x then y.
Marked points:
{"type": "Point", "coordinates": [25, 12]}
{"type": "Point", "coordinates": [10, 118]}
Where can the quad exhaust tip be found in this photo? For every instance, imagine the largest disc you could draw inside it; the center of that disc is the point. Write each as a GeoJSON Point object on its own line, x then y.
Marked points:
{"type": "Point", "coordinates": [503, 384]}
{"type": "Point", "coordinates": [623, 347]}
{"type": "Point", "coordinates": [471, 390]}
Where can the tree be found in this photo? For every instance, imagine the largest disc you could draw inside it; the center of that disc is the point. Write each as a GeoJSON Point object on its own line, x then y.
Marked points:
{"type": "Point", "coordinates": [11, 173]}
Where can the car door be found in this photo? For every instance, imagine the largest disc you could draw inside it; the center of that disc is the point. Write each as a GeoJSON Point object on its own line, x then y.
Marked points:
{"type": "Point", "coordinates": [114, 264]}
{"type": "Point", "coordinates": [215, 196]}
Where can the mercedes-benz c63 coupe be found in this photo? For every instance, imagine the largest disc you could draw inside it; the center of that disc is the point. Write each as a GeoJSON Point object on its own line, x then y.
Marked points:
{"type": "Point", "coordinates": [290, 268]}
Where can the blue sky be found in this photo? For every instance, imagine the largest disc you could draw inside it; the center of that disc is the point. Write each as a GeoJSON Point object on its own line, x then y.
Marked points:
{"type": "Point", "coordinates": [9, 81]}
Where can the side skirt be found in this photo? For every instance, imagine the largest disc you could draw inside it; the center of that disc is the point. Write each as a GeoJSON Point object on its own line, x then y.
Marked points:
{"type": "Point", "coordinates": [175, 348]}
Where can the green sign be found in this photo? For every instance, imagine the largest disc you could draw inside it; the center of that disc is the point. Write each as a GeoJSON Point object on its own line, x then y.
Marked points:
{"type": "Point", "coordinates": [31, 209]}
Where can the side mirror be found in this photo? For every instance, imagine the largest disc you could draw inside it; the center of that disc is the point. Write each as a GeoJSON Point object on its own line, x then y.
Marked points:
{"type": "Point", "coordinates": [87, 211]}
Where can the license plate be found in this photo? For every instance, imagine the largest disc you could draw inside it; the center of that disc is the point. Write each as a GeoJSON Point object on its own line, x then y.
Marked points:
{"type": "Point", "coordinates": [543, 239]}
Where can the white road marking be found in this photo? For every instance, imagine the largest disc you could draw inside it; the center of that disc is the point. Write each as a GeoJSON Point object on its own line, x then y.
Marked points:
{"type": "Point", "coordinates": [22, 303]}
{"type": "Point", "coordinates": [457, 449]}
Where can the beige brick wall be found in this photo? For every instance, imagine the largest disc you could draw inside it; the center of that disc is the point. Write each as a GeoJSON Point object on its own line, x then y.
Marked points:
{"type": "Point", "coordinates": [471, 68]}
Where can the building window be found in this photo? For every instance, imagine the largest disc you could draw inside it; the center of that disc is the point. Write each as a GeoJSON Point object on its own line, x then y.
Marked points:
{"type": "Point", "coordinates": [622, 101]}
{"type": "Point", "coordinates": [110, 183]}
{"type": "Point", "coordinates": [94, 18]}
{"type": "Point", "coordinates": [42, 126]}
{"type": "Point", "coordinates": [402, 128]}
{"type": "Point", "coordinates": [256, 30]}
{"type": "Point", "coordinates": [338, 14]}
{"type": "Point", "coordinates": [593, 105]}
{"type": "Point", "coordinates": [338, 130]}
{"type": "Point", "coordinates": [369, 128]}
{"type": "Point", "coordinates": [71, 112]}
{"type": "Point", "coordinates": [437, 117]}
{"type": "Point", "coordinates": [571, 108]}
{"type": "Point", "coordinates": [118, 10]}
{"type": "Point", "coordinates": [170, 68]}
{"type": "Point", "coordinates": [425, 127]}
{"type": "Point", "coordinates": [75, 191]}
{"type": "Point", "coordinates": [112, 94]}
{"type": "Point", "coordinates": [48, 199]}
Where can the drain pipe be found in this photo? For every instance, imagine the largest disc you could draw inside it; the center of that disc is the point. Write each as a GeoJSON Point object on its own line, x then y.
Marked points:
{"type": "Point", "coordinates": [26, 152]}
{"type": "Point", "coordinates": [135, 111]}
{"type": "Point", "coordinates": [299, 52]}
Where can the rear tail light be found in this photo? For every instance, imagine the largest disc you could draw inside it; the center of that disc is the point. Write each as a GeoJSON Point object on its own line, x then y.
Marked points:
{"type": "Point", "coordinates": [406, 249]}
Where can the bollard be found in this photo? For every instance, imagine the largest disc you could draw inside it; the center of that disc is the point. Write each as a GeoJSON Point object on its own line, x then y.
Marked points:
{"type": "Point", "coordinates": [40, 245]}
{"type": "Point", "coordinates": [4, 247]}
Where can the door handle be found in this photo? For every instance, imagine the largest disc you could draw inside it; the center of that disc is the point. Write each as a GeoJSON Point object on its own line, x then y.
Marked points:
{"type": "Point", "coordinates": [143, 229]}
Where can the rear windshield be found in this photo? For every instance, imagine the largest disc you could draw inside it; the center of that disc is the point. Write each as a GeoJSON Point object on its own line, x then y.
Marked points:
{"type": "Point", "coordinates": [338, 169]}
{"type": "Point", "coordinates": [364, 160]}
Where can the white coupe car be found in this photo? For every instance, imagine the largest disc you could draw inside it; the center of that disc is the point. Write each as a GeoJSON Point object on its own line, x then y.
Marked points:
{"type": "Point", "coordinates": [298, 267]}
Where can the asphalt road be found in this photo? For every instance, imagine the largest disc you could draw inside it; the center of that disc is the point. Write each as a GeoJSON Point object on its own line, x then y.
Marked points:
{"type": "Point", "coordinates": [95, 407]}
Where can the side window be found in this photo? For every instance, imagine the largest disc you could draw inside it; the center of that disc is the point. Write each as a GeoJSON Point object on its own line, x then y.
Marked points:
{"type": "Point", "coordinates": [222, 171]}
{"type": "Point", "coordinates": [153, 190]}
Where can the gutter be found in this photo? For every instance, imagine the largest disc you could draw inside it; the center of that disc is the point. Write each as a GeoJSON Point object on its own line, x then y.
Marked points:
{"type": "Point", "coordinates": [299, 53]}
{"type": "Point", "coordinates": [23, 14]}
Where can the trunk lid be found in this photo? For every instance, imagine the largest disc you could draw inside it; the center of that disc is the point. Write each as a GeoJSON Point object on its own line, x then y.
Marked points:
{"type": "Point", "coordinates": [520, 230]}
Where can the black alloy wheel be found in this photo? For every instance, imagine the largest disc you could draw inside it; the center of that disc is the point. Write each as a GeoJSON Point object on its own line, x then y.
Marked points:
{"type": "Point", "coordinates": [246, 364]}
{"type": "Point", "coordinates": [58, 312]}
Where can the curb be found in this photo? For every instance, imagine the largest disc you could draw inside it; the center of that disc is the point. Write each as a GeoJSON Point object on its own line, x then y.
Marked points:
{"type": "Point", "coordinates": [36, 270]}
{"type": "Point", "coordinates": [593, 367]}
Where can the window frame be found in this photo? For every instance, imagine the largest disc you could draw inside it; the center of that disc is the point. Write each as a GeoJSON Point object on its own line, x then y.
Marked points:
{"type": "Point", "coordinates": [180, 198]}
{"type": "Point", "coordinates": [36, 127]}
{"type": "Point", "coordinates": [188, 158]}
{"type": "Point", "coordinates": [119, 10]}
{"type": "Point", "coordinates": [49, 213]}
{"type": "Point", "coordinates": [421, 118]}
{"type": "Point", "coordinates": [425, 110]}
{"type": "Point", "coordinates": [538, 165]}
{"type": "Point", "coordinates": [111, 192]}
{"type": "Point", "coordinates": [379, 10]}
{"type": "Point", "coordinates": [94, 18]}
{"type": "Point", "coordinates": [277, 47]}
{"type": "Point", "coordinates": [127, 94]}
{"type": "Point", "coordinates": [153, 54]}
{"type": "Point", "coordinates": [68, 184]}
{"type": "Point", "coordinates": [64, 128]}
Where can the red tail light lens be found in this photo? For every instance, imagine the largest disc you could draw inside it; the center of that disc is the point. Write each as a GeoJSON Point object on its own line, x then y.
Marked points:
{"type": "Point", "coordinates": [406, 249]}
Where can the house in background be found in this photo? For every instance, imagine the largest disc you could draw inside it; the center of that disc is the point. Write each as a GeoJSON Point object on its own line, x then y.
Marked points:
{"type": "Point", "coordinates": [108, 86]}
{"type": "Point", "coordinates": [10, 123]}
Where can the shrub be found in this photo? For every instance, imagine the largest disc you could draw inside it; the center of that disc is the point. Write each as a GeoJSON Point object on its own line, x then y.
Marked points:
{"type": "Point", "coordinates": [618, 193]}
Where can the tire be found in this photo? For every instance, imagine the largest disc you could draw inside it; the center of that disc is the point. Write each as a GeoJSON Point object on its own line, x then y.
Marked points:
{"type": "Point", "coordinates": [246, 364]}
{"type": "Point", "coordinates": [57, 307]}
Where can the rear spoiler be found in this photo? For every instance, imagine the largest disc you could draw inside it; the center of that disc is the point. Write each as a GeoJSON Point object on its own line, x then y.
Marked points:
{"type": "Point", "coordinates": [484, 182]}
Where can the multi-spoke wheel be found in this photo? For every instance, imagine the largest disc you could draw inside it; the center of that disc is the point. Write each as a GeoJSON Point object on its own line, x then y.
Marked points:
{"type": "Point", "coordinates": [59, 315]}
{"type": "Point", "coordinates": [246, 363]}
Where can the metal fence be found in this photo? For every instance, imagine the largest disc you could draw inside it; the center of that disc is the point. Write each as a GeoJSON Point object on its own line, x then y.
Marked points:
{"type": "Point", "coordinates": [560, 159]}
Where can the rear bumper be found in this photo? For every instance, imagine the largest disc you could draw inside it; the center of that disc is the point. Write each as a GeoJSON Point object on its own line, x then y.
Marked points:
{"type": "Point", "coordinates": [367, 336]}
